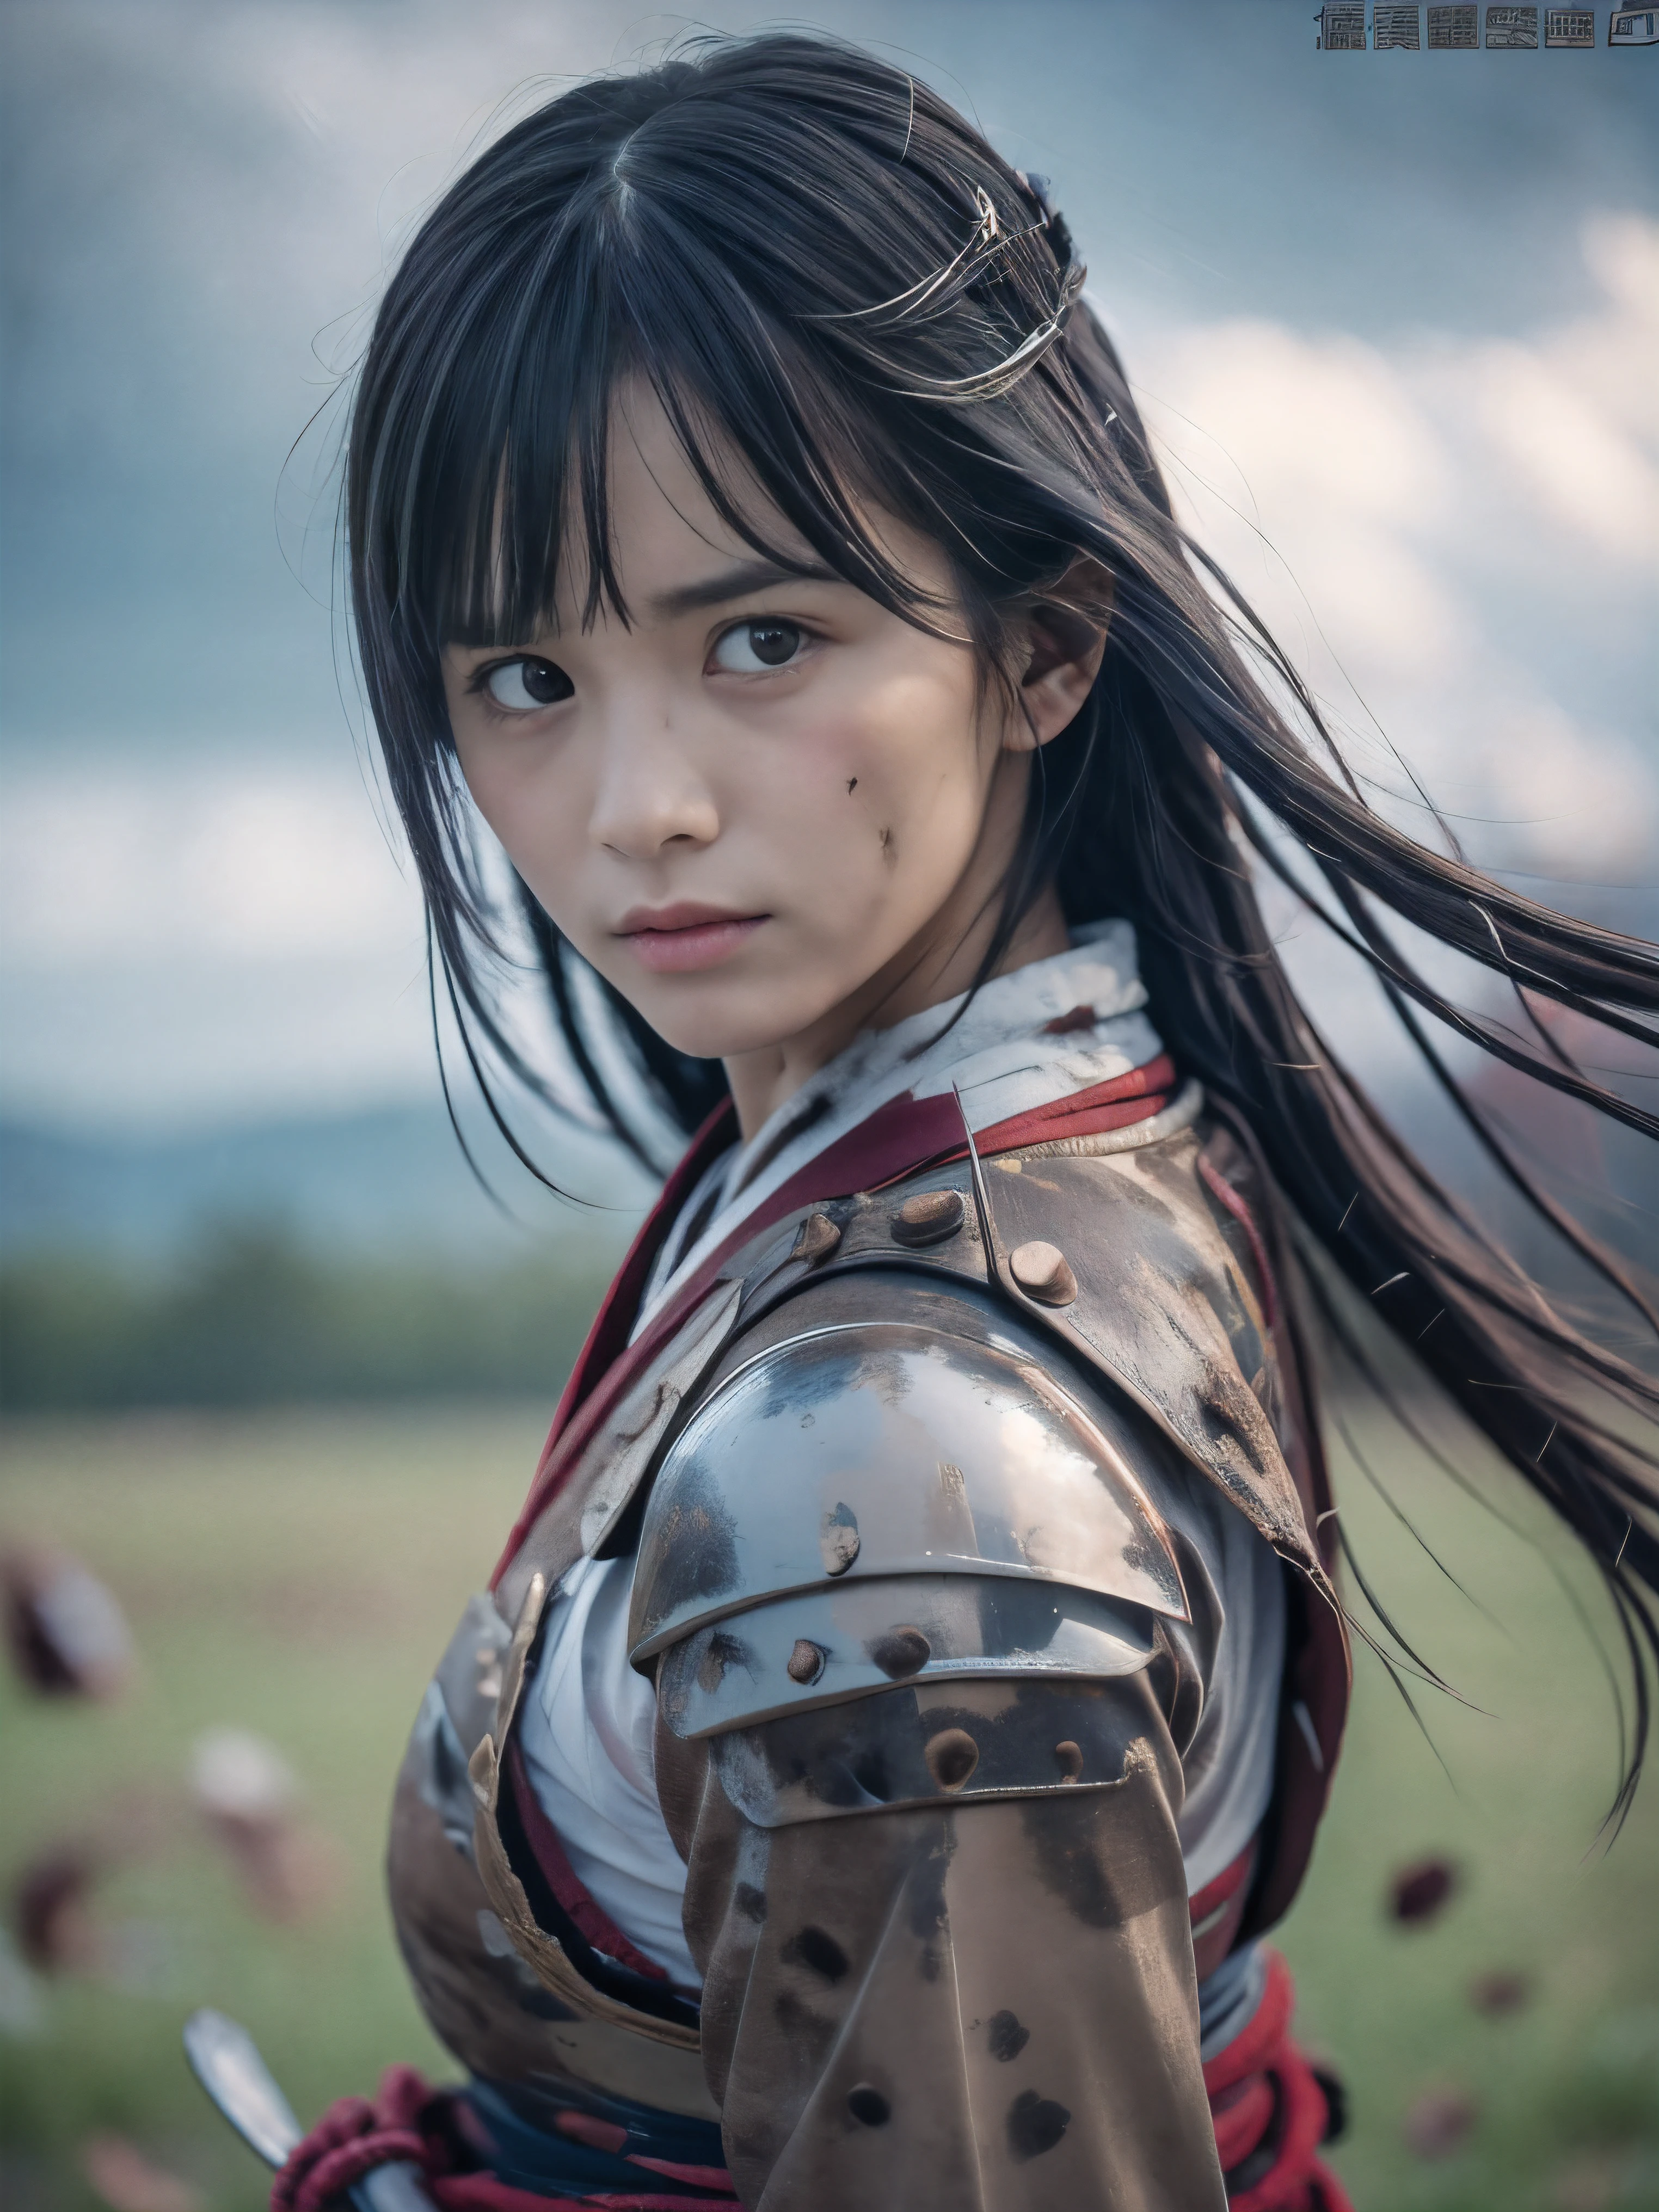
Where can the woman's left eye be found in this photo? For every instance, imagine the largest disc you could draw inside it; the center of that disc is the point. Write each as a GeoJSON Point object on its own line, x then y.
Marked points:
{"type": "Point", "coordinates": [523, 687]}
{"type": "Point", "coordinates": [753, 647]}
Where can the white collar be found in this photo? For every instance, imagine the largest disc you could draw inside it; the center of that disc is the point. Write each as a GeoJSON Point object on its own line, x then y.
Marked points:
{"type": "Point", "coordinates": [1002, 1055]}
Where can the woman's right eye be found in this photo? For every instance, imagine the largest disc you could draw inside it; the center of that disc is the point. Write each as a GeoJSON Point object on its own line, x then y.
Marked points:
{"type": "Point", "coordinates": [522, 686]}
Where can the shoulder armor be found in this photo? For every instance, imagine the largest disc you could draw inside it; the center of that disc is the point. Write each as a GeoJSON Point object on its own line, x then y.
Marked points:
{"type": "Point", "coordinates": [1138, 1261]}
{"type": "Point", "coordinates": [886, 1501]}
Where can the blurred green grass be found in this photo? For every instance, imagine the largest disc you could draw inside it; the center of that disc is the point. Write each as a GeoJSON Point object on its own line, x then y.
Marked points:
{"type": "Point", "coordinates": [297, 1575]}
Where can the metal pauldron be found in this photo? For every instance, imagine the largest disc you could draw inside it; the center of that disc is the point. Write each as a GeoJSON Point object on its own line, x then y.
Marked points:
{"type": "Point", "coordinates": [887, 1564]}
{"type": "Point", "coordinates": [857, 1451]}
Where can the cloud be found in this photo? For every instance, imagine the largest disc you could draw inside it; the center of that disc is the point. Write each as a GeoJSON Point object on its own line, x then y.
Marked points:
{"type": "Point", "coordinates": [181, 941]}
{"type": "Point", "coordinates": [119, 869]}
{"type": "Point", "coordinates": [1572, 416]}
{"type": "Point", "coordinates": [1452, 534]}
{"type": "Point", "coordinates": [233, 935]}
{"type": "Point", "coordinates": [227, 942]}
{"type": "Point", "coordinates": [1455, 540]}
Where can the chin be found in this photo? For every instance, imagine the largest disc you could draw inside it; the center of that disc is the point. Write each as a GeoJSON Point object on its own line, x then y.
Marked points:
{"type": "Point", "coordinates": [723, 1031]}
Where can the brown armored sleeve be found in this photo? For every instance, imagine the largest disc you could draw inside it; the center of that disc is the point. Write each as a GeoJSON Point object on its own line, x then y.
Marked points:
{"type": "Point", "coordinates": [926, 1657]}
{"type": "Point", "coordinates": [979, 2001]}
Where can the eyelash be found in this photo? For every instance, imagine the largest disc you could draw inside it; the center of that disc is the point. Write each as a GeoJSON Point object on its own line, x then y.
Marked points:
{"type": "Point", "coordinates": [809, 634]}
{"type": "Point", "coordinates": [477, 684]}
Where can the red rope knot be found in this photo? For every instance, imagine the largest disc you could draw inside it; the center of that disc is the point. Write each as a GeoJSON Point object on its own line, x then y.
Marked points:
{"type": "Point", "coordinates": [1266, 2098]}
{"type": "Point", "coordinates": [350, 2139]}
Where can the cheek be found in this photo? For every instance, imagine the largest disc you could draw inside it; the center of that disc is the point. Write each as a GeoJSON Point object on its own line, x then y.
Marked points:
{"type": "Point", "coordinates": [889, 790]}
{"type": "Point", "coordinates": [532, 804]}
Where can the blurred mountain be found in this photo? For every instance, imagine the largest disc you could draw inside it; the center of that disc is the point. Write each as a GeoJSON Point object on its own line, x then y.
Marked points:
{"type": "Point", "coordinates": [346, 1185]}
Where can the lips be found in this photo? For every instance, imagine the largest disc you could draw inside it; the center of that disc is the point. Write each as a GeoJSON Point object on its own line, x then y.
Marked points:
{"type": "Point", "coordinates": [677, 940]}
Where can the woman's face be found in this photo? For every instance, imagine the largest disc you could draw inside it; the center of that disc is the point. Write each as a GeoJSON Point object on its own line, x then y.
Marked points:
{"type": "Point", "coordinates": [768, 811]}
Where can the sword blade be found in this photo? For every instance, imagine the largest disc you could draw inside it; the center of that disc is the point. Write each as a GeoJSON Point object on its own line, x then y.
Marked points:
{"type": "Point", "coordinates": [226, 2061]}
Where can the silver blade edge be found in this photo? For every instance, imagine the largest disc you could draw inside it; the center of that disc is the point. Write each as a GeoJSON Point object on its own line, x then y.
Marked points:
{"type": "Point", "coordinates": [226, 2061]}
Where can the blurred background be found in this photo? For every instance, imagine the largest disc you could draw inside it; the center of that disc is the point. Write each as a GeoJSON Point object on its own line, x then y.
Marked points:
{"type": "Point", "coordinates": [274, 1368]}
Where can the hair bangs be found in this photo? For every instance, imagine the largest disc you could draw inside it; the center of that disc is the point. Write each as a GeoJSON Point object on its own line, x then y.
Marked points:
{"type": "Point", "coordinates": [788, 408]}
{"type": "Point", "coordinates": [513, 483]}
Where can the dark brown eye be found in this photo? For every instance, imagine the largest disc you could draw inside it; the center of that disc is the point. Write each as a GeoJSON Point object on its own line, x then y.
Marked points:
{"type": "Point", "coordinates": [756, 645]}
{"type": "Point", "coordinates": [521, 686]}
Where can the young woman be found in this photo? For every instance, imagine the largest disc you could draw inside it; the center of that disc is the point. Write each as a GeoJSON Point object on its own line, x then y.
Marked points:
{"type": "Point", "coordinates": [912, 1687]}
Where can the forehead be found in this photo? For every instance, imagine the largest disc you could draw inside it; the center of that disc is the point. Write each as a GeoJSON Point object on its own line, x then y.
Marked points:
{"type": "Point", "coordinates": [665, 530]}
{"type": "Point", "coordinates": [667, 533]}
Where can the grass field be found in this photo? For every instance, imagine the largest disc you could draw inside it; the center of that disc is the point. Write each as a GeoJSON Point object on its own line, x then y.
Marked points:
{"type": "Point", "coordinates": [298, 1575]}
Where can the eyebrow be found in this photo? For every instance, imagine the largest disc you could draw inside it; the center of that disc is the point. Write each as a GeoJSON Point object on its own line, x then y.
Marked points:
{"type": "Point", "coordinates": [737, 583]}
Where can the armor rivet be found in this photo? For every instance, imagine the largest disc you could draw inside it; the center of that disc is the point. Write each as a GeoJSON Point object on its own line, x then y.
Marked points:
{"type": "Point", "coordinates": [952, 1757]}
{"type": "Point", "coordinates": [1042, 1273]}
{"type": "Point", "coordinates": [868, 2106]}
{"type": "Point", "coordinates": [838, 1539]}
{"type": "Point", "coordinates": [815, 1238]}
{"type": "Point", "coordinates": [902, 1651]}
{"type": "Point", "coordinates": [1070, 1756]}
{"type": "Point", "coordinates": [928, 1218]}
{"type": "Point", "coordinates": [806, 1662]}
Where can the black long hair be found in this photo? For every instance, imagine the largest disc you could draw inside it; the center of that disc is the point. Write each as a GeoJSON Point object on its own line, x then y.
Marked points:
{"type": "Point", "coordinates": [819, 265]}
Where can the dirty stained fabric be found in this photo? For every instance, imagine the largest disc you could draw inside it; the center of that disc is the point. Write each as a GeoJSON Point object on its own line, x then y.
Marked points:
{"type": "Point", "coordinates": [1038, 1034]}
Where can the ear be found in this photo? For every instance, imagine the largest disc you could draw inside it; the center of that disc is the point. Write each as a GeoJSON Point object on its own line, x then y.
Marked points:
{"type": "Point", "coordinates": [1065, 644]}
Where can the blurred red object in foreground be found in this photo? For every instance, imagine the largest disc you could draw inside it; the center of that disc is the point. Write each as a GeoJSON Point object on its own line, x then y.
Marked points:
{"type": "Point", "coordinates": [68, 1636]}
{"type": "Point", "coordinates": [1419, 1893]}
{"type": "Point", "coordinates": [51, 1912]}
{"type": "Point", "coordinates": [1437, 2122]}
{"type": "Point", "coordinates": [128, 2182]}
{"type": "Point", "coordinates": [1500, 1992]}
{"type": "Point", "coordinates": [247, 1794]}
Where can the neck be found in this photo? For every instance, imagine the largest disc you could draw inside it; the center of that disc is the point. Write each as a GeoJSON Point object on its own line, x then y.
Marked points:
{"type": "Point", "coordinates": [927, 973]}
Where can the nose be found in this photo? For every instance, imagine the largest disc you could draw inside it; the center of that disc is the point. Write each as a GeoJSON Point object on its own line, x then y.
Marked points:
{"type": "Point", "coordinates": [649, 793]}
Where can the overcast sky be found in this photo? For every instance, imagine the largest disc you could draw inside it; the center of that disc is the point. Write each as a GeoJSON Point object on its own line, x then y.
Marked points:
{"type": "Point", "coordinates": [1396, 317]}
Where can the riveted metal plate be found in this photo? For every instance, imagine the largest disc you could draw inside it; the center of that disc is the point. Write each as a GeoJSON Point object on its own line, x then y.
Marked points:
{"type": "Point", "coordinates": [738, 1670]}
{"type": "Point", "coordinates": [872, 1755]}
{"type": "Point", "coordinates": [942, 1453]}
{"type": "Point", "coordinates": [592, 1496]}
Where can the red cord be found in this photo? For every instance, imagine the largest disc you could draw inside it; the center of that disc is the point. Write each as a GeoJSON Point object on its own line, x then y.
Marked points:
{"type": "Point", "coordinates": [1259, 2083]}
